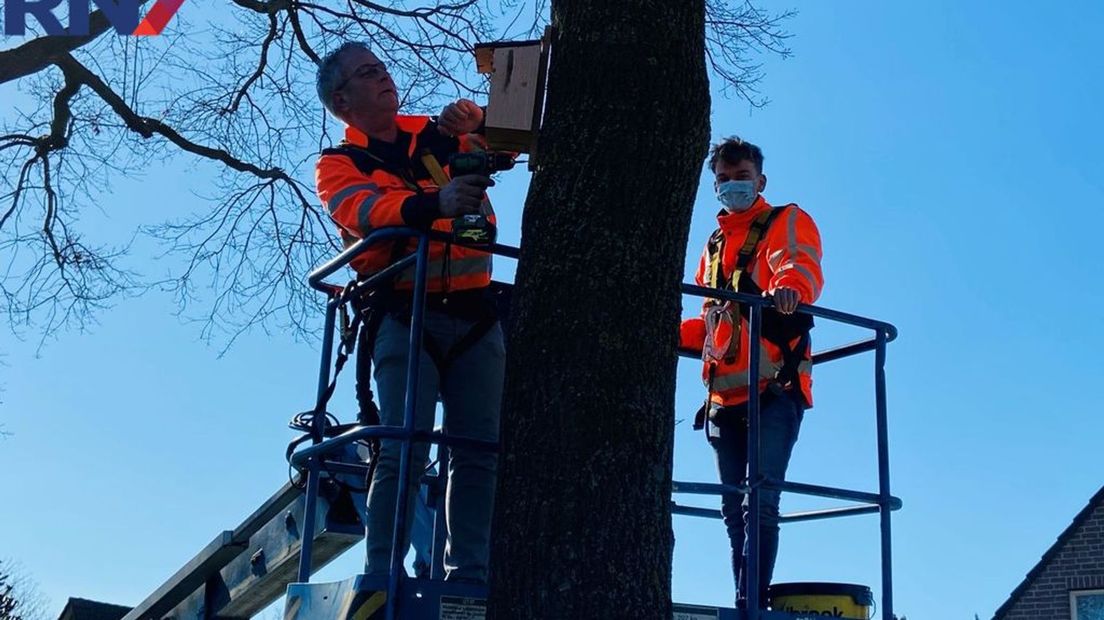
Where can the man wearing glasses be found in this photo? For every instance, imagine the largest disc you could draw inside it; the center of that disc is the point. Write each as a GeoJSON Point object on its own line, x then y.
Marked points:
{"type": "Point", "coordinates": [382, 175]}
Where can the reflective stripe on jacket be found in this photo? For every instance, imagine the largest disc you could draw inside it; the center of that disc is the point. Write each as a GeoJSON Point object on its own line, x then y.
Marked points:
{"type": "Point", "coordinates": [391, 187]}
{"type": "Point", "coordinates": [788, 256]}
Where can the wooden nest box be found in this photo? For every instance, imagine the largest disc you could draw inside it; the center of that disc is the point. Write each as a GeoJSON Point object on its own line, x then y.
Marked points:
{"type": "Point", "coordinates": [516, 100]}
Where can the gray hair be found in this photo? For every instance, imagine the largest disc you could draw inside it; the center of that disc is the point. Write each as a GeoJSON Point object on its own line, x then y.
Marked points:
{"type": "Point", "coordinates": [329, 72]}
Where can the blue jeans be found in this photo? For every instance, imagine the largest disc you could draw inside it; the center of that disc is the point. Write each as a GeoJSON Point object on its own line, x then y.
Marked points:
{"type": "Point", "coordinates": [421, 537]}
{"type": "Point", "coordinates": [471, 393]}
{"type": "Point", "coordinates": [780, 419]}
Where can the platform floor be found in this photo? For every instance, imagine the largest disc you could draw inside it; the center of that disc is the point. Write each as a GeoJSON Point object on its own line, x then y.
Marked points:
{"type": "Point", "coordinates": [364, 597]}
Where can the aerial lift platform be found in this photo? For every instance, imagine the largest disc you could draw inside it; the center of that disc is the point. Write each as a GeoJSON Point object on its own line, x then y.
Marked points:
{"type": "Point", "coordinates": [320, 514]}
{"type": "Point", "coordinates": [398, 596]}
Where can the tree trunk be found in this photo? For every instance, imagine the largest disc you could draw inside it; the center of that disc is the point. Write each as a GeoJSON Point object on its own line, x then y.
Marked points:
{"type": "Point", "coordinates": [583, 521]}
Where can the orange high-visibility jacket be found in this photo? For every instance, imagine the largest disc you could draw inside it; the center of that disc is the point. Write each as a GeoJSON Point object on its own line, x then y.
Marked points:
{"type": "Point", "coordinates": [788, 255]}
{"type": "Point", "coordinates": [391, 187]}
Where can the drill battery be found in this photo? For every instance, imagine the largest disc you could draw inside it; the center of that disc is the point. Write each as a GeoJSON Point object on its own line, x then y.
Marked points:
{"type": "Point", "coordinates": [476, 228]}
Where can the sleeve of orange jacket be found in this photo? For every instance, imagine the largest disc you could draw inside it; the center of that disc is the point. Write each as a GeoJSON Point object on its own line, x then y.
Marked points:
{"type": "Point", "coordinates": [793, 254]}
{"type": "Point", "coordinates": [692, 331]}
{"type": "Point", "coordinates": [360, 203]}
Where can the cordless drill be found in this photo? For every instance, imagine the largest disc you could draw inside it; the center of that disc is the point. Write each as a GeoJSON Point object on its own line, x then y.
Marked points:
{"type": "Point", "coordinates": [476, 228]}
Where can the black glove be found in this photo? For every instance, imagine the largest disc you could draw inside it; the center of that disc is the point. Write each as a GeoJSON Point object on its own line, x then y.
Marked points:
{"type": "Point", "coordinates": [463, 195]}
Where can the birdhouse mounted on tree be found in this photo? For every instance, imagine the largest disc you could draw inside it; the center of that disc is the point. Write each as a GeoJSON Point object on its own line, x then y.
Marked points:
{"type": "Point", "coordinates": [516, 100]}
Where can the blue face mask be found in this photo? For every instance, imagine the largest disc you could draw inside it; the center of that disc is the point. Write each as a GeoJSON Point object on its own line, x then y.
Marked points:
{"type": "Point", "coordinates": [737, 195]}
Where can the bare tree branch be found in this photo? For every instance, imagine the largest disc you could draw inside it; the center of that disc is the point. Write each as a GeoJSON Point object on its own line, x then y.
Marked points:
{"type": "Point", "coordinates": [147, 127]}
{"type": "Point", "coordinates": [20, 598]}
{"type": "Point", "coordinates": [233, 103]}
{"type": "Point", "coordinates": [262, 63]}
{"type": "Point", "coordinates": [301, 38]}
{"type": "Point", "coordinates": [735, 35]}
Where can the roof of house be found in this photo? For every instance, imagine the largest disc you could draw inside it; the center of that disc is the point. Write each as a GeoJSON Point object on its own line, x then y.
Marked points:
{"type": "Point", "coordinates": [84, 609]}
{"type": "Point", "coordinates": [1066, 534]}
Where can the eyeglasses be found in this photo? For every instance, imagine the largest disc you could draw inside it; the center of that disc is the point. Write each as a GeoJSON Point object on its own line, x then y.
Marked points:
{"type": "Point", "coordinates": [368, 71]}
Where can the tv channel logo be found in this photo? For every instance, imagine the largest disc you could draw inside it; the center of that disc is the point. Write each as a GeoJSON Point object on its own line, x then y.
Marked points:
{"type": "Point", "coordinates": [124, 15]}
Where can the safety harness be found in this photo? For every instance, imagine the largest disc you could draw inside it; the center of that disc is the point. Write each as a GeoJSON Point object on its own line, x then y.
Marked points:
{"type": "Point", "coordinates": [371, 306]}
{"type": "Point", "coordinates": [778, 329]}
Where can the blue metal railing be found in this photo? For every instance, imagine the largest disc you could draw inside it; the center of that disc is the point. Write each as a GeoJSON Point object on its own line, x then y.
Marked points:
{"type": "Point", "coordinates": [311, 458]}
{"type": "Point", "coordinates": [883, 502]}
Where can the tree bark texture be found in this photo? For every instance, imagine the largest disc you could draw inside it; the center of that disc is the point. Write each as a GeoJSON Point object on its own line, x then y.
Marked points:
{"type": "Point", "coordinates": [583, 522]}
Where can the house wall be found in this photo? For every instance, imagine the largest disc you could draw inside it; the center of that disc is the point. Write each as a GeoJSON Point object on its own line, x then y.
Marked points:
{"type": "Point", "coordinates": [1078, 565]}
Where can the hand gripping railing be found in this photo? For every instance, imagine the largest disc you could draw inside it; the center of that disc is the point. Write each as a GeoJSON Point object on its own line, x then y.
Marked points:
{"type": "Point", "coordinates": [312, 458]}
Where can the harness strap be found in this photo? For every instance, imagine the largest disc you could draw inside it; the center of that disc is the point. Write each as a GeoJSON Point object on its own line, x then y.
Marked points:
{"type": "Point", "coordinates": [701, 417]}
{"type": "Point", "coordinates": [756, 232]}
{"type": "Point", "coordinates": [368, 411]}
{"type": "Point", "coordinates": [368, 162]}
{"type": "Point", "coordinates": [792, 357]}
{"type": "Point", "coordinates": [440, 177]}
{"type": "Point", "coordinates": [347, 344]}
{"type": "Point", "coordinates": [474, 335]}
{"type": "Point", "coordinates": [778, 329]}
{"type": "Point", "coordinates": [443, 359]}
{"type": "Point", "coordinates": [307, 420]}
{"type": "Point", "coordinates": [747, 252]}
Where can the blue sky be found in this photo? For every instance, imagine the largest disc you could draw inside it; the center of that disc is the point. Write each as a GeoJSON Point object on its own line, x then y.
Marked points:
{"type": "Point", "coordinates": [950, 153]}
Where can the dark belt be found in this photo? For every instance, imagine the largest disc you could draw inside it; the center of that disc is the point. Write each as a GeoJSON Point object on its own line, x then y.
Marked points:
{"type": "Point", "coordinates": [469, 304]}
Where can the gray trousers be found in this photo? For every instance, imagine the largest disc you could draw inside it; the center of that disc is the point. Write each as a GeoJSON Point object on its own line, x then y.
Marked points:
{"type": "Point", "coordinates": [471, 393]}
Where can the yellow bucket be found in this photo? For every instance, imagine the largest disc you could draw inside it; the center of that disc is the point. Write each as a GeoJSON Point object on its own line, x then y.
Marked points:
{"type": "Point", "coordinates": [836, 600]}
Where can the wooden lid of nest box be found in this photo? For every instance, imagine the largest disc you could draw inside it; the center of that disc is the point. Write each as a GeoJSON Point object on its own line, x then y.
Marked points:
{"type": "Point", "coordinates": [514, 106]}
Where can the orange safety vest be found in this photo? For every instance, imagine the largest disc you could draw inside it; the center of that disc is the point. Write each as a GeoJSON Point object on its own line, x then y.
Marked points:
{"type": "Point", "coordinates": [786, 254]}
{"type": "Point", "coordinates": [368, 184]}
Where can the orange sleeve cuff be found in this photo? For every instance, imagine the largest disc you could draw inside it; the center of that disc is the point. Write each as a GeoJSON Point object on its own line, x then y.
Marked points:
{"type": "Point", "coordinates": [794, 282]}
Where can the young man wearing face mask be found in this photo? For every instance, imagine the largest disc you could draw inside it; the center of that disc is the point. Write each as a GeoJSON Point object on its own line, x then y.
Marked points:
{"type": "Point", "coordinates": [776, 252]}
